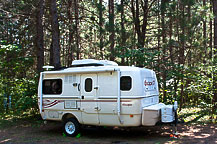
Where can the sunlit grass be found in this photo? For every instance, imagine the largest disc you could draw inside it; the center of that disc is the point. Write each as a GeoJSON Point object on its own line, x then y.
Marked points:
{"type": "Point", "coordinates": [10, 119]}
{"type": "Point", "coordinates": [197, 115]}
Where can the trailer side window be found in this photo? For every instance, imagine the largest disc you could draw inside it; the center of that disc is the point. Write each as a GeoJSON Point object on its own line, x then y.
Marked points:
{"type": "Point", "coordinates": [126, 83]}
{"type": "Point", "coordinates": [88, 85]}
{"type": "Point", "coordinates": [52, 86]}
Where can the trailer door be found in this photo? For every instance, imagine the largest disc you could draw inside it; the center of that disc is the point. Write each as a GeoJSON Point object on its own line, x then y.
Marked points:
{"type": "Point", "coordinates": [89, 104]}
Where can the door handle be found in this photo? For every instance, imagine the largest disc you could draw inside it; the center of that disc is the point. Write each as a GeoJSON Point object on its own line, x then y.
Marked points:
{"type": "Point", "coordinates": [97, 108]}
{"type": "Point", "coordinates": [78, 87]}
{"type": "Point", "coordinates": [82, 97]}
{"type": "Point", "coordinates": [96, 87]}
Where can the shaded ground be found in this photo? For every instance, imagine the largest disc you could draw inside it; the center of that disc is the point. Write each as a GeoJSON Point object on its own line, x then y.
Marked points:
{"type": "Point", "coordinates": [36, 132]}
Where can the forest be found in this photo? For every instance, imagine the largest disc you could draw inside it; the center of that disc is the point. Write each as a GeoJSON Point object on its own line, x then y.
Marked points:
{"type": "Point", "coordinates": [175, 38]}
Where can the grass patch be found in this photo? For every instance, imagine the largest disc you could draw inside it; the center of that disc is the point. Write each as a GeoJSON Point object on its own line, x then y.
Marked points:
{"type": "Point", "coordinates": [197, 115]}
{"type": "Point", "coordinates": [10, 119]}
{"type": "Point", "coordinates": [5, 123]}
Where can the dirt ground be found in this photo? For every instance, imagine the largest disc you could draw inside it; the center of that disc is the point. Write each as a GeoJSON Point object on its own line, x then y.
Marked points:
{"type": "Point", "coordinates": [37, 132]}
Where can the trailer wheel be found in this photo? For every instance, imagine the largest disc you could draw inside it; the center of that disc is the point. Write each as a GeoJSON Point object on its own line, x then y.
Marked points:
{"type": "Point", "coordinates": [71, 127]}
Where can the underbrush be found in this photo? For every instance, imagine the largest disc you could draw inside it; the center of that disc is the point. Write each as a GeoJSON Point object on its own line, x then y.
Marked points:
{"type": "Point", "coordinates": [197, 115]}
{"type": "Point", "coordinates": [10, 119]}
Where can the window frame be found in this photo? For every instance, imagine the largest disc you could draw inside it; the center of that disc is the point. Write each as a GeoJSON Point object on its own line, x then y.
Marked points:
{"type": "Point", "coordinates": [131, 83]}
{"type": "Point", "coordinates": [52, 79]}
{"type": "Point", "coordinates": [91, 85]}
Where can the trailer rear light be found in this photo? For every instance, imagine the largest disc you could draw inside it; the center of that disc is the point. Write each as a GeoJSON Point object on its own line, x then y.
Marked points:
{"type": "Point", "coordinates": [131, 116]}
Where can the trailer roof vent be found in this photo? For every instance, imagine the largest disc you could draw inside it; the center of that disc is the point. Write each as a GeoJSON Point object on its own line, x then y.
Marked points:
{"type": "Point", "coordinates": [93, 62]}
{"type": "Point", "coordinates": [48, 67]}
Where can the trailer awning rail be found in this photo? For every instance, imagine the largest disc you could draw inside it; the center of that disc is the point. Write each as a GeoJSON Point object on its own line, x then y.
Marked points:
{"type": "Point", "coordinates": [83, 70]}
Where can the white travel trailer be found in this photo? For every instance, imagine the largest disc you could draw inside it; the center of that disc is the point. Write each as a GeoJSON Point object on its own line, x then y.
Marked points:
{"type": "Point", "coordinates": [99, 92]}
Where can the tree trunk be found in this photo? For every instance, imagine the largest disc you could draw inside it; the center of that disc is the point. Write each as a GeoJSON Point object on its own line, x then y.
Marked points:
{"type": "Point", "coordinates": [55, 46]}
{"type": "Point", "coordinates": [123, 32]}
{"type": "Point", "coordinates": [77, 29]}
{"type": "Point", "coordinates": [101, 30]}
{"type": "Point", "coordinates": [189, 57]}
{"type": "Point", "coordinates": [181, 57]}
{"type": "Point", "coordinates": [140, 28]}
{"type": "Point", "coordinates": [211, 34]}
{"type": "Point", "coordinates": [71, 31]}
{"type": "Point", "coordinates": [40, 36]}
{"type": "Point", "coordinates": [51, 54]}
{"type": "Point", "coordinates": [214, 102]}
{"type": "Point", "coordinates": [158, 36]}
{"type": "Point", "coordinates": [144, 24]}
{"type": "Point", "coordinates": [163, 7]}
{"type": "Point", "coordinates": [111, 29]}
{"type": "Point", "coordinates": [135, 12]}
{"type": "Point", "coordinates": [204, 34]}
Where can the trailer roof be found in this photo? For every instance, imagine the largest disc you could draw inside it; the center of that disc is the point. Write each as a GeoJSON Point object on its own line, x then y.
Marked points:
{"type": "Point", "coordinates": [93, 69]}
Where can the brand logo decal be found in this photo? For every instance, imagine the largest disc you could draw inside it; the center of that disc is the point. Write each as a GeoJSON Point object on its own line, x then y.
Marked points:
{"type": "Point", "coordinates": [149, 83]}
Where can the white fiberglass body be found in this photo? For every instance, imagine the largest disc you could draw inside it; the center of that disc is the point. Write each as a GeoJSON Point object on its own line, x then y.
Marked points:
{"type": "Point", "coordinates": [102, 93]}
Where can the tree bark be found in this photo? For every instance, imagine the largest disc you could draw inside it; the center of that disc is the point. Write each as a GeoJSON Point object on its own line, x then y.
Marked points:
{"type": "Point", "coordinates": [135, 13]}
{"type": "Point", "coordinates": [55, 46]}
{"type": "Point", "coordinates": [158, 36]}
{"type": "Point", "coordinates": [144, 24]}
{"type": "Point", "coordinates": [111, 30]}
{"type": "Point", "coordinates": [77, 29]}
{"type": "Point", "coordinates": [140, 28]}
{"type": "Point", "coordinates": [211, 34]}
{"type": "Point", "coordinates": [214, 102]}
{"type": "Point", "coordinates": [71, 33]}
{"type": "Point", "coordinates": [181, 57]}
{"type": "Point", "coordinates": [204, 33]}
{"type": "Point", "coordinates": [40, 36]}
{"type": "Point", "coordinates": [123, 31]}
{"type": "Point", "coordinates": [163, 7]}
{"type": "Point", "coordinates": [101, 30]}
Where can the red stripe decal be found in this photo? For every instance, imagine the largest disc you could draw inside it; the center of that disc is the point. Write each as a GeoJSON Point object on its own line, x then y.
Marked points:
{"type": "Point", "coordinates": [46, 104]}
{"type": "Point", "coordinates": [53, 103]}
{"type": "Point", "coordinates": [104, 100]}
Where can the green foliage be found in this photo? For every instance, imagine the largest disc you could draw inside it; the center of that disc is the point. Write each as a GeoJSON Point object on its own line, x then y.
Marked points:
{"type": "Point", "coordinates": [27, 100]}
{"type": "Point", "coordinates": [197, 115]}
{"type": "Point", "coordinates": [17, 90]}
{"type": "Point", "coordinates": [201, 84]}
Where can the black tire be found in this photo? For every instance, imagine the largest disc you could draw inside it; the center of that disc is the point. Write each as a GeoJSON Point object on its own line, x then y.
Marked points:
{"type": "Point", "coordinates": [71, 127]}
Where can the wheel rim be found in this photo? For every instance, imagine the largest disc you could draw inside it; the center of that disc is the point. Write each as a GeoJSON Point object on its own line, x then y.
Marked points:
{"type": "Point", "coordinates": [70, 127]}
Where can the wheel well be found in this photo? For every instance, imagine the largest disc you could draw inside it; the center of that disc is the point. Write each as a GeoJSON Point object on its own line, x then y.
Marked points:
{"type": "Point", "coordinates": [67, 116]}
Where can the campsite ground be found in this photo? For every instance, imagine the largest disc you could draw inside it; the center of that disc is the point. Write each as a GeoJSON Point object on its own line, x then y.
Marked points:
{"type": "Point", "coordinates": [32, 131]}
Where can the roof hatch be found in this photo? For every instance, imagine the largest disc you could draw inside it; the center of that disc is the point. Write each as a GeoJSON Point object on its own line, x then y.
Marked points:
{"type": "Point", "coordinates": [93, 62]}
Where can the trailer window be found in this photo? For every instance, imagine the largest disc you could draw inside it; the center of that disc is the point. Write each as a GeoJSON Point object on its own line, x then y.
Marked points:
{"type": "Point", "coordinates": [88, 85]}
{"type": "Point", "coordinates": [126, 83]}
{"type": "Point", "coordinates": [52, 86]}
